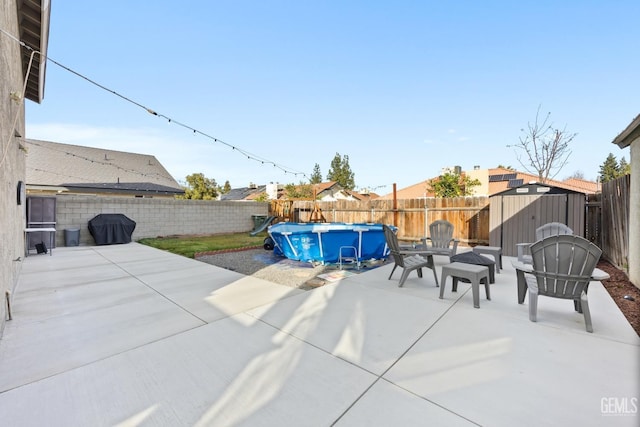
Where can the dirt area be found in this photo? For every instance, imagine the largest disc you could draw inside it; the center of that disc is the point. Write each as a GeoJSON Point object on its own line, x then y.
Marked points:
{"type": "Point", "coordinates": [265, 265]}
{"type": "Point", "coordinates": [624, 293]}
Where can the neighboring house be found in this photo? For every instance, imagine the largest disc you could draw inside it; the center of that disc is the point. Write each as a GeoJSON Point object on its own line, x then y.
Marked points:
{"type": "Point", "coordinates": [329, 191]}
{"type": "Point", "coordinates": [249, 193]}
{"type": "Point", "coordinates": [630, 137]}
{"type": "Point", "coordinates": [325, 191]}
{"type": "Point", "coordinates": [497, 180]}
{"type": "Point", "coordinates": [347, 195]}
{"type": "Point", "coordinates": [27, 22]}
{"type": "Point", "coordinates": [415, 191]}
{"type": "Point", "coordinates": [364, 196]}
{"type": "Point", "coordinates": [55, 168]}
{"type": "Point", "coordinates": [332, 191]}
{"type": "Point", "coordinates": [494, 181]}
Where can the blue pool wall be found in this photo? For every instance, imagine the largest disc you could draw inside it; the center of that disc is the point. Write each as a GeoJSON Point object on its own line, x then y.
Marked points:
{"type": "Point", "coordinates": [321, 242]}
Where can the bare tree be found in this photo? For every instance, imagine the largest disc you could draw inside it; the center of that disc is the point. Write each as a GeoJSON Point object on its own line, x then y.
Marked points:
{"type": "Point", "coordinates": [546, 148]}
{"type": "Point", "coordinates": [576, 175]}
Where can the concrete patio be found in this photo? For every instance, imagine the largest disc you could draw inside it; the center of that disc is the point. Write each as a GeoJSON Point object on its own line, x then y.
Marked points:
{"type": "Point", "coordinates": [127, 335]}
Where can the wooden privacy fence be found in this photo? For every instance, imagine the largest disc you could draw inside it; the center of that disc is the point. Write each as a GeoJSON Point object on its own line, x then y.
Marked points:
{"type": "Point", "coordinates": [469, 215]}
{"type": "Point", "coordinates": [604, 217]}
{"type": "Point", "coordinates": [593, 219]}
{"type": "Point", "coordinates": [614, 228]}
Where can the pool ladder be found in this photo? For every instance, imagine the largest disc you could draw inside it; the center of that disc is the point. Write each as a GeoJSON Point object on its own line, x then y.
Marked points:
{"type": "Point", "coordinates": [348, 254]}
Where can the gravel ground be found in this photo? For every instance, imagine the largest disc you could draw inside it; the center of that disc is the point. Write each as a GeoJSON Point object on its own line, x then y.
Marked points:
{"type": "Point", "coordinates": [265, 265]}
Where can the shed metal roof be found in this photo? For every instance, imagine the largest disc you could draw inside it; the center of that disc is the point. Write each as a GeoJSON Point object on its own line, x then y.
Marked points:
{"type": "Point", "coordinates": [535, 188]}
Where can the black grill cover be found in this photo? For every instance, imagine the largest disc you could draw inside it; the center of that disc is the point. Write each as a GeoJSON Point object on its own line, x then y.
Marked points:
{"type": "Point", "coordinates": [111, 229]}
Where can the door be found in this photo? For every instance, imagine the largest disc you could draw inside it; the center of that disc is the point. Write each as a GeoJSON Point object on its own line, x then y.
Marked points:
{"type": "Point", "coordinates": [41, 213]}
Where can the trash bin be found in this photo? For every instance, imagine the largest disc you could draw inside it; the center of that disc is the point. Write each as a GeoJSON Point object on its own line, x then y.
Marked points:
{"type": "Point", "coordinates": [258, 220]}
{"type": "Point", "coordinates": [71, 236]}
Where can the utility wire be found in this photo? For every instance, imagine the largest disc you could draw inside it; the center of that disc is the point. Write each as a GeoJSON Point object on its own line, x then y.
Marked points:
{"type": "Point", "coordinates": [243, 152]}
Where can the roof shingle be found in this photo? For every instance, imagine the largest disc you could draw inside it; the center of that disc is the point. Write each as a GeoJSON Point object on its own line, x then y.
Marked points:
{"type": "Point", "coordinates": [56, 164]}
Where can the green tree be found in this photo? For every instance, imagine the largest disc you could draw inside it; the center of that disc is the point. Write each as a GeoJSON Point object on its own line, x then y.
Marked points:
{"type": "Point", "coordinates": [316, 176]}
{"type": "Point", "coordinates": [226, 188]}
{"type": "Point", "coordinates": [200, 187]}
{"type": "Point", "coordinates": [609, 170]}
{"type": "Point", "coordinates": [340, 172]}
{"type": "Point", "coordinates": [452, 185]}
{"type": "Point", "coordinates": [545, 147]}
{"type": "Point", "coordinates": [262, 197]}
{"type": "Point", "coordinates": [300, 191]}
{"type": "Point", "coordinates": [500, 166]}
{"type": "Point", "coordinates": [624, 168]}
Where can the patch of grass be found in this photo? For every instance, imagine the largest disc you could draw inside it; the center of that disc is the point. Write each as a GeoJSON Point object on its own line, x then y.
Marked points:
{"type": "Point", "coordinates": [190, 245]}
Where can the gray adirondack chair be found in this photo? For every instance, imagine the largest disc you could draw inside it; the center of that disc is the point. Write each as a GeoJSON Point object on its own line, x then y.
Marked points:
{"type": "Point", "coordinates": [546, 230]}
{"type": "Point", "coordinates": [440, 240]}
{"type": "Point", "coordinates": [407, 259]}
{"type": "Point", "coordinates": [552, 229]}
{"type": "Point", "coordinates": [562, 268]}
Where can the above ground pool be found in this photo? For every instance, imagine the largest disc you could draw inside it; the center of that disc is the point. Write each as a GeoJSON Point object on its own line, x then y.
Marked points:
{"type": "Point", "coordinates": [322, 242]}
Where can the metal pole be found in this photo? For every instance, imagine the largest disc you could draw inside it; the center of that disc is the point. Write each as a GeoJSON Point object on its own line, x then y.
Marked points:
{"type": "Point", "coordinates": [395, 206]}
{"type": "Point", "coordinates": [426, 219]}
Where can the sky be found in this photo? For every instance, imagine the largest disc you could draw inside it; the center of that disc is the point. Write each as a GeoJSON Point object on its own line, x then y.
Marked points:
{"type": "Point", "coordinates": [403, 88]}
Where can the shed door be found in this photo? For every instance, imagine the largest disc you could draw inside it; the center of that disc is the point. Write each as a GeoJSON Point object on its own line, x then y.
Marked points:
{"type": "Point", "coordinates": [523, 214]}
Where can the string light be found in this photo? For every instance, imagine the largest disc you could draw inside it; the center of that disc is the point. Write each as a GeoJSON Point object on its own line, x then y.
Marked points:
{"type": "Point", "coordinates": [134, 171]}
{"type": "Point", "coordinates": [82, 179]}
{"type": "Point", "coordinates": [248, 154]}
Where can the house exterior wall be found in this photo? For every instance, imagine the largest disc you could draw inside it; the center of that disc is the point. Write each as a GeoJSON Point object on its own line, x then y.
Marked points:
{"type": "Point", "coordinates": [481, 175]}
{"type": "Point", "coordinates": [634, 214]}
{"type": "Point", "coordinates": [157, 217]}
{"type": "Point", "coordinates": [12, 170]}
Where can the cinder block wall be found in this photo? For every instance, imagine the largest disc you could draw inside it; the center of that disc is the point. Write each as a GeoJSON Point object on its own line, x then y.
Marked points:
{"type": "Point", "coordinates": [12, 157]}
{"type": "Point", "coordinates": [157, 217]}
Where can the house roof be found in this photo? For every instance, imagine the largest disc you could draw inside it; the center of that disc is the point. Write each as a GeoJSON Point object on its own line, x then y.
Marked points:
{"type": "Point", "coordinates": [125, 188]}
{"type": "Point", "coordinates": [323, 188]}
{"type": "Point", "coordinates": [243, 193]}
{"type": "Point", "coordinates": [630, 134]}
{"type": "Point", "coordinates": [364, 196]}
{"type": "Point", "coordinates": [33, 19]}
{"type": "Point", "coordinates": [500, 179]}
{"type": "Point", "coordinates": [519, 178]}
{"type": "Point", "coordinates": [56, 164]}
{"type": "Point", "coordinates": [415, 191]}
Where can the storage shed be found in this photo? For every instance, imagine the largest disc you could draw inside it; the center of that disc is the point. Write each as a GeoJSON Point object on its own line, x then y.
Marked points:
{"type": "Point", "coordinates": [515, 213]}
